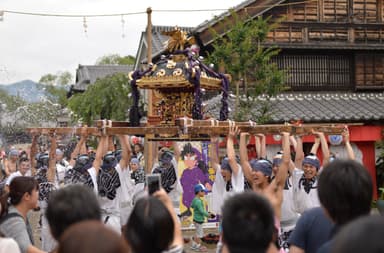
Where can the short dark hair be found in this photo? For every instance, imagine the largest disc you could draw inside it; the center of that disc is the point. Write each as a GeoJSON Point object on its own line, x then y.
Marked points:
{"type": "Point", "coordinates": [23, 159]}
{"type": "Point", "coordinates": [362, 235]}
{"type": "Point", "coordinates": [248, 223]}
{"type": "Point", "coordinates": [187, 149]}
{"type": "Point", "coordinates": [139, 145]}
{"type": "Point", "coordinates": [18, 187]}
{"type": "Point", "coordinates": [345, 190]}
{"type": "Point", "coordinates": [150, 228]}
{"type": "Point", "coordinates": [91, 237]}
{"type": "Point", "coordinates": [70, 205]}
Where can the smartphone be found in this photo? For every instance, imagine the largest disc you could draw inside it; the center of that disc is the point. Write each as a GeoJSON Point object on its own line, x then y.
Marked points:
{"type": "Point", "coordinates": [153, 183]}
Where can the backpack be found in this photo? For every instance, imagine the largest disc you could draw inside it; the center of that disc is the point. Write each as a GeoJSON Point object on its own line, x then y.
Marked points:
{"type": "Point", "coordinates": [8, 216]}
{"type": "Point", "coordinates": [12, 215]}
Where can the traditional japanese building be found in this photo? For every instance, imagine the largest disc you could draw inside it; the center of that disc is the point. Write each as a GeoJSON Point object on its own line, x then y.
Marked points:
{"type": "Point", "coordinates": [333, 52]}
{"type": "Point", "coordinates": [88, 74]}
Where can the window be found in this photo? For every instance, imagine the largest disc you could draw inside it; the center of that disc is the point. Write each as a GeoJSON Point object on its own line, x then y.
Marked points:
{"type": "Point", "coordinates": [317, 72]}
{"type": "Point", "coordinates": [369, 71]}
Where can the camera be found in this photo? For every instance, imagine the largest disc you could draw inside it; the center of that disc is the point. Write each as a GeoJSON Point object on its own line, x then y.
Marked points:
{"type": "Point", "coordinates": [153, 182]}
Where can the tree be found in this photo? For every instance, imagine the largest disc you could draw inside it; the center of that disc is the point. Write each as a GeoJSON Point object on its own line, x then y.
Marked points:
{"type": "Point", "coordinates": [107, 98]}
{"type": "Point", "coordinates": [242, 54]}
{"type": "Point", "coordinates": [10, 102]}
{"type": "Point", "coordinates": [56, 87]}
{"type": "Point", "coordinates": [17, 114]}
{"type": "Point", "coordinates": [115, 59]}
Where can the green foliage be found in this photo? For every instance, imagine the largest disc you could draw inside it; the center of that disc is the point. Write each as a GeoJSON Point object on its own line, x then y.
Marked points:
{"type": "Point", "coordinates": [34, 114]}
{"type": "Point", "coordinates": [241, 53]}
{"type": "Point", "coordinates": [107, 98]}
{"type": "Point", "coordinates": [115, 59]}
{"type": "Point", "coordinates": [20, 114]}
{"type": "Point", "coordinates": [65, 78]}
{"type": "Point", "coordinates": [57, 95]}
{"type": "Point", "coordinates": [56, 87]}
{"type": "Point", "coordinates": [58, 79]}
{"type": "Point", "coordinates": [380, 169]}
{"type": "Point", "coordinates": [48, 79]}
{"type": "Point", "coordinates": [11, 102]}
{"type": "Point", "coordinates": [381, 193]}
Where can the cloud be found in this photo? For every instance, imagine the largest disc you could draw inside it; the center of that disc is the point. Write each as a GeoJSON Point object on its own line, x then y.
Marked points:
{"type": "Point", "coordinates": [33, 46]}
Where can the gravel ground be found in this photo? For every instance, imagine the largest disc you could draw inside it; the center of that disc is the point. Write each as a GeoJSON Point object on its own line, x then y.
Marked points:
{"type": "Point", "coordinates": [35, 217]}
{"type": "Point", "coordinates": [211, 248]}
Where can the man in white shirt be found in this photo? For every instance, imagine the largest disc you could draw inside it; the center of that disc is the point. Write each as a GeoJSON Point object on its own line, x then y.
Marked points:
{"type": "Point", "coordinates": [24, 170]}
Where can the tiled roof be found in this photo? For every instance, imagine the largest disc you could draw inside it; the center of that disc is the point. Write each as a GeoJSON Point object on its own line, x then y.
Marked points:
{"type": "Point", "coordinates": [265, 6]}
{"type": "Point", "coordinates": [209, 23]}
{"type": "Point", "coordinates": [315, 107]}
{"type": "Point", "coordinates": [88, 74]}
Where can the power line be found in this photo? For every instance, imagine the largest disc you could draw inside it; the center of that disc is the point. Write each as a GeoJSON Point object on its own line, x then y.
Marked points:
{"type": "Point", "coordinates": [2, 12]}
{"type": "Point", "coordinates": [72, 15]}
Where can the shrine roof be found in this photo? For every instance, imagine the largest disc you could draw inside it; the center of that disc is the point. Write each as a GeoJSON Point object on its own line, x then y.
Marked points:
{"type": "Point", "coordinates": [315, 107]}
{"type": "Point", "coordinates": [158, 39]}
{"type": "Point", "coordinates": [88, 74]}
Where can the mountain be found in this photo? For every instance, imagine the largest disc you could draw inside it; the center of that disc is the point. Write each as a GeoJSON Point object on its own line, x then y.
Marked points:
{"type": "Point", "coordinates": [27, 90]}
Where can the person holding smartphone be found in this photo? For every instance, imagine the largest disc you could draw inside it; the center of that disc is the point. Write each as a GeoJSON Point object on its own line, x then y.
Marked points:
{"type": "Point", "coordinates": [159, 225]}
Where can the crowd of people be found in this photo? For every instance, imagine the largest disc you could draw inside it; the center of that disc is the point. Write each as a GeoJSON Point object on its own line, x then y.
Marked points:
{"type": "Point", "coordinates": [97, 200]}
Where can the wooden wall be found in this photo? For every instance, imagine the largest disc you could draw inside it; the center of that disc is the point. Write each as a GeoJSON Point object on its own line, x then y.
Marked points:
{"type": "Point", "coordinates": [337, 21]}
{"type": "Point", "coordinates": [309, 72]}
{"type": "Point", "coordinates": [333, 24]}
{"type": "Point", "coordinates": [369, 71]}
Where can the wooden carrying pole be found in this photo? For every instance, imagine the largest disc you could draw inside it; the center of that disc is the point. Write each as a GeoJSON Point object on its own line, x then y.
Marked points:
{"type": "Point", "coordinates": [148, 146]}
{"type": "Point", "coordinates": [65, 130]}
{"type": "Point", "coordinates": [187, 129]}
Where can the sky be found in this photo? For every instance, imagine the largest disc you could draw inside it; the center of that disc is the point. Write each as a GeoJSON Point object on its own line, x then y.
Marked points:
{"type": "Point", "coordinates": [32, 46]}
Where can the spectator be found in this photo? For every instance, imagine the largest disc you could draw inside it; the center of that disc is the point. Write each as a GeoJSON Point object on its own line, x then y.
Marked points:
{"type": "Point", "coordinates": [91, 237]}
{"type": "Point", "coordinates": [362, 235]}
{"type": "Point", "coordinates": [138, 179]}
{"type": "Point", "coordinates": [138, 152]}
{"type": "Point", "coordinates": [137, 171]}
{"type": "Point", "coordinates": [72, 204]}
{"type": "Point", "coordinates": [312, 230]}
{"type": "Point", "coordinates": [10, 164]}
{"type": "Point", "coordinates": [24, 170]}
{"type": "Point", "coordinates": [199, 214]}
{"type": "Point", "coordinates": [342, 184]}
{"type": "Point", "coordinates": [8, 245]}
{"type": "Point", "coordinates": [248, 224]}
{"type": "Point", "coordinates": [23, 196]}
{"type": "Point", "coordinates": [153, 226]}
